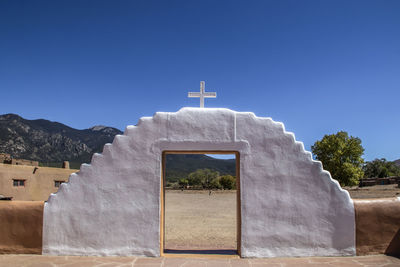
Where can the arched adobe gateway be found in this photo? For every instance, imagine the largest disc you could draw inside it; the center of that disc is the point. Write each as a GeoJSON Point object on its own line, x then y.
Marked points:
{"type": "Point", "coordinates": [290, 206]}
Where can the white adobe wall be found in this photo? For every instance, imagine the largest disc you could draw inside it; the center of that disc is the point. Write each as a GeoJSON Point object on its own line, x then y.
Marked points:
{"type": "Point", "coordinates": [290, 205]}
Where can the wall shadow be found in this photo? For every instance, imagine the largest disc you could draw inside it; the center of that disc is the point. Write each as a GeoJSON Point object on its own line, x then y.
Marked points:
{"type": "Point", "coordinates": [394, 246]}
{"type": "Point", "coordinates": [202, 252]}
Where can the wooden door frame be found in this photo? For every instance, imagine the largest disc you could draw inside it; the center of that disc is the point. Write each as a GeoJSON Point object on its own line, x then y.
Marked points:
{"type": "Point", "coordinates": [162, 194]}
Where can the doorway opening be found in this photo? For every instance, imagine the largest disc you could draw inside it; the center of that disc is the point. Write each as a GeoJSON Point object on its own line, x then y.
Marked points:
{"type": "Point", "coordinates": [200, 203]}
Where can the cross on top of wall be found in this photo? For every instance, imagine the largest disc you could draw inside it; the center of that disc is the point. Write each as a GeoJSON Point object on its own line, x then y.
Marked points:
{"type": "Point", "coordinates": [202, 94]}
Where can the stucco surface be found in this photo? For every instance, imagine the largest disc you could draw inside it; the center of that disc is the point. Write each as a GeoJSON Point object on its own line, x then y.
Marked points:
{"type": "Point", "coordinates": [21, 227]}
{"type": "Point", "coordinates": [290, 206]}
{"type": "Point", "coordinates": [378, 226]}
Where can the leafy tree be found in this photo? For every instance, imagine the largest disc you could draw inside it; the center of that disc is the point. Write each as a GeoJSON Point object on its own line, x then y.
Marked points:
{"type": "Point", "coordinates": [195, 178]}
{"type": "Point", "coordinates": [227, 182]}
{"type": "Point", "coordinates": [169, 184]}
{"type": "Point", "coordinates": [215, 184]}
{"type": "Point", "coordinates": [202, 177]}
{"type": "Point", "coordinates": [341, 155]}
{"type": "Point", "coordinates": [183, 183]}
{"type": "Point", "coordinates": [380, 168]}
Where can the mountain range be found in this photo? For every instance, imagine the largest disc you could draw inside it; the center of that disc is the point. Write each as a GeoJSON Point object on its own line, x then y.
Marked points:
{"type": "Point", "coordinates": [181, 165]}
{"type": "Point", "coordinates": [51, 143]}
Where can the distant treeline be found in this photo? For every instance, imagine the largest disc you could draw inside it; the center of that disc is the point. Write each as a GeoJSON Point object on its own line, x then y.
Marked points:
{"type": "Point", "coordinates": [204, 179]}
{"type": "Point", "coordinates": [179, 166]}
{"type": "Point", "coordinates": [380, 168]}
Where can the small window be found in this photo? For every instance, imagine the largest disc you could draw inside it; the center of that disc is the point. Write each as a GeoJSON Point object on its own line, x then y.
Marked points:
{"type": "Point", "coordinates": [17, 182]}
{"type": "Point", "coordinates": [58, 183]}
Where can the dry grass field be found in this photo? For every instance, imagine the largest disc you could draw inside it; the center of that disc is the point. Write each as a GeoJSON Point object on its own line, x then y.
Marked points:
{"type": "Point", "coordinates": [195, 220]}
{"type": "Point", "coordinates": [376, 191]}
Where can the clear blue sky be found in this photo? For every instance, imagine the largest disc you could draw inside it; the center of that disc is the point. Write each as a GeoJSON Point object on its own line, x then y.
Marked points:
{"type": "Point", "coordinates": [317, 66]}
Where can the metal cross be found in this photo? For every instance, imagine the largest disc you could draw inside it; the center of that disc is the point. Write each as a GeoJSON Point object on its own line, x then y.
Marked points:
{"type": "Point", "coordinates": [202, 94]}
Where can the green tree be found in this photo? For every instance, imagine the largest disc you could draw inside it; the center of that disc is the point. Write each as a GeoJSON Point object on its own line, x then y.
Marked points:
{"type": "Point", "coordinates": [341, 155]}
{"type": "Point", "coordinates": [202, 177]}
{"type": "Point", "coordinates": [227, 182]}
{"type": "Point", "coordinates": [215, 184]}
{"type": "Point", "coordinates": [380, 168]}
{"type": "Point", "coordinates": [183, 182]}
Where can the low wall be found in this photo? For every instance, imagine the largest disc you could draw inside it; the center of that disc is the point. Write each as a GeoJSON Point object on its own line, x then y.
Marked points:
{"type": "Point", "coordinates": [378, 226]}
{"type": "Point", "coordinates": [21, 226]}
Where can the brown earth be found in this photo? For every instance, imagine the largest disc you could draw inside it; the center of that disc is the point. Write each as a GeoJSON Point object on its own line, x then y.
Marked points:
{"type": "Point", "coordinates": [376, 191]}
{"type": "Point", "coordinates": [197, 220]}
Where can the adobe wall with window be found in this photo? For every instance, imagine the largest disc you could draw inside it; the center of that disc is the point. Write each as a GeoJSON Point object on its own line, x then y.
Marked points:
{"type": "Point", "coordinates": [290, 206]}
{"type": "Point", "coordinates": [30, 182]}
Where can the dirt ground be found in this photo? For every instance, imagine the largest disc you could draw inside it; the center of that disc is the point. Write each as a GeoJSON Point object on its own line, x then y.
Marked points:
{"type": "Point", "coordinates": [196, 220]}
{"type": "Point", "coordinates": [376, 191]}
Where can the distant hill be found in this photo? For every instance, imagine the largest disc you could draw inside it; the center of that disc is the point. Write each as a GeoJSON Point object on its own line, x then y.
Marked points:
{"type": "Point", "coordinates": [181, 165]}
{"type": "Point", "coordinates": [51, 142]}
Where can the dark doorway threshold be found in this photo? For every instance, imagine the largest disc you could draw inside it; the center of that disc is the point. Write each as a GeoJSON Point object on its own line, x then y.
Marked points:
{"type": "Point", "coordinates": [202, 251]}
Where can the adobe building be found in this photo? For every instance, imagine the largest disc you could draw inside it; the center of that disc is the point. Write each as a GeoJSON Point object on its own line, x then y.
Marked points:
{"type": "Point", "coordinates": [30, 182]}
{"type": "Point", "coordinates": [7, 159]}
